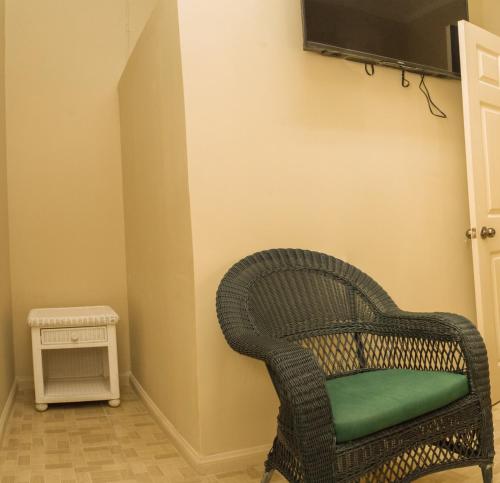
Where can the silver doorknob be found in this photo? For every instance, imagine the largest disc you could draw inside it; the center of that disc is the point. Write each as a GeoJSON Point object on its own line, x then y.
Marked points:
{"type": "Point", "coordinates": [488, 232]}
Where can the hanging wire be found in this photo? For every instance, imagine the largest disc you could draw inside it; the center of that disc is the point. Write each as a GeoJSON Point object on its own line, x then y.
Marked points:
{"type": "Point", "coordinates": [369, 71]}
{"type": "Point", "coordinates": [435, 111]}
{"type": "Point", "coordinates": [404, 81]}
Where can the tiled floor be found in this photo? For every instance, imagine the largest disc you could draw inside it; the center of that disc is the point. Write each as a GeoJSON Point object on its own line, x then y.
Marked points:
{"type": "Point", "coordinates": [93, 443]}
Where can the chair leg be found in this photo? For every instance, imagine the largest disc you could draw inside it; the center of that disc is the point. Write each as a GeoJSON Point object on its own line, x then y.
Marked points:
{"type": "Point", "coordinates": [266, 477]}
{"type": "Point", "coordinates": [487, 471]}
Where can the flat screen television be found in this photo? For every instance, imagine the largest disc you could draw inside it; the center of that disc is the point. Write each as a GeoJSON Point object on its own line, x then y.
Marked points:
{"type": "Point", "coordinates": [415, 35]}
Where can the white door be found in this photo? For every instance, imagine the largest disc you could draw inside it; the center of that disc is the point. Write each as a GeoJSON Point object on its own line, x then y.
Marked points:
{"type": "Point", "coordinates": [480, 62]}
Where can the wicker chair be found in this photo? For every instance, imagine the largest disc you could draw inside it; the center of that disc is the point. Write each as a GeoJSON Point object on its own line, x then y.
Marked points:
{"type": "Point", "coordinates": [312, 319]}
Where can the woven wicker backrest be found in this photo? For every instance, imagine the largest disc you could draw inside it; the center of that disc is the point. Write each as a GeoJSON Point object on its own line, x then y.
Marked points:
{"type": "Point", "coordinates": [326, 305]}
{"type": "Point", "coordinates": [294, 302]}
{"type": "Point", "coordinates": [296, 294]}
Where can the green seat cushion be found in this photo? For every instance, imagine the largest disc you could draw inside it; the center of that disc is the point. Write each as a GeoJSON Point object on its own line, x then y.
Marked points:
{"type": "Point", "coordinates": [371, 401]}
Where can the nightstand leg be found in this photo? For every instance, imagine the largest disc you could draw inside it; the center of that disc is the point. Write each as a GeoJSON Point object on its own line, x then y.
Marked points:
{"type": "Point", "coordinates": [41, 407]}
{"type": "Point", "coordinates": [38, 368]}
{"type": "Point", "coordinates": [114, 403]}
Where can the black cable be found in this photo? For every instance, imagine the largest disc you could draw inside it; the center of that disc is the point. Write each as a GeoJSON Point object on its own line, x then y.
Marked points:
{"type": "Point", "coordinates": [404, 81]}
{"type": "Point", "coordinates": [371, 71]}
{"type": "Point", "coordinates": [435, 111]}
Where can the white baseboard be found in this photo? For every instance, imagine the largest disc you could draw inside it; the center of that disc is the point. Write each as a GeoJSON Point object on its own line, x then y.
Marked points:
{"type": "Point", "coordinates": [204, 464]}
{"type": "Point", "coordinates": [7, 408]}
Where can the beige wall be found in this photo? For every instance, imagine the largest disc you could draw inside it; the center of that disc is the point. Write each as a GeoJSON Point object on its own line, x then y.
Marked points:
{"type": "Point", "coordinates": [6, 347]}
{"type": "Point", "coordinates": [476, 11]}
{"type": "Point", "coordinates": [487, 15]}
{"type": "Point", "coordinates": [63, 63]}
{"type": "Point", "coordinates": [284, 149]}
{"type": "Point", "coordinates": [291, 149]}
{"type": "Point", "coordinates": [157, 221]}
{"type": "Point", "coordinates": [138, 13]}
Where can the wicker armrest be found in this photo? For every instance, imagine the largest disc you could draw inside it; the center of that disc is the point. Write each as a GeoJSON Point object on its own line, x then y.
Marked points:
{"type": "Point", "coordinates": [440, 326]}
{"type": "Point", "coordinates": [305, 406]}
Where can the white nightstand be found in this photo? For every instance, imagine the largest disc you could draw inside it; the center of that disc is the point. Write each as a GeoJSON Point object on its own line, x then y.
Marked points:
{"type": "Point", "coordinates": [74, 355]}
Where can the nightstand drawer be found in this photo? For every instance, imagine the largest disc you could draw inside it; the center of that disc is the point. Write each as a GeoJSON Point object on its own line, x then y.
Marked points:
{"type": "Point", "coordinates": [73, 335]}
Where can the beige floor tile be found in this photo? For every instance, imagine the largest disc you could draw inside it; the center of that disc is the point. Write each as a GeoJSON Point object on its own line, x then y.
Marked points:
{"type": "Point", "coordinates": [92, 443]}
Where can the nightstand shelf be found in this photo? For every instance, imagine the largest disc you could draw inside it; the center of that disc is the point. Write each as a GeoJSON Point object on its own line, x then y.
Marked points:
{"type": "Point", "coordinates": [78, 389]}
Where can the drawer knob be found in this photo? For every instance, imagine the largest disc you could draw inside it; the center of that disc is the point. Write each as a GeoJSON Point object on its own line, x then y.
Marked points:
{"type": "Point", "coordinates": [74, 337]}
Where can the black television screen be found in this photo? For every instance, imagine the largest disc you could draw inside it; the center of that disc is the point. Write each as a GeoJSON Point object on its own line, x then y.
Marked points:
{"type": "Point", "coordinates": [417, 35]}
